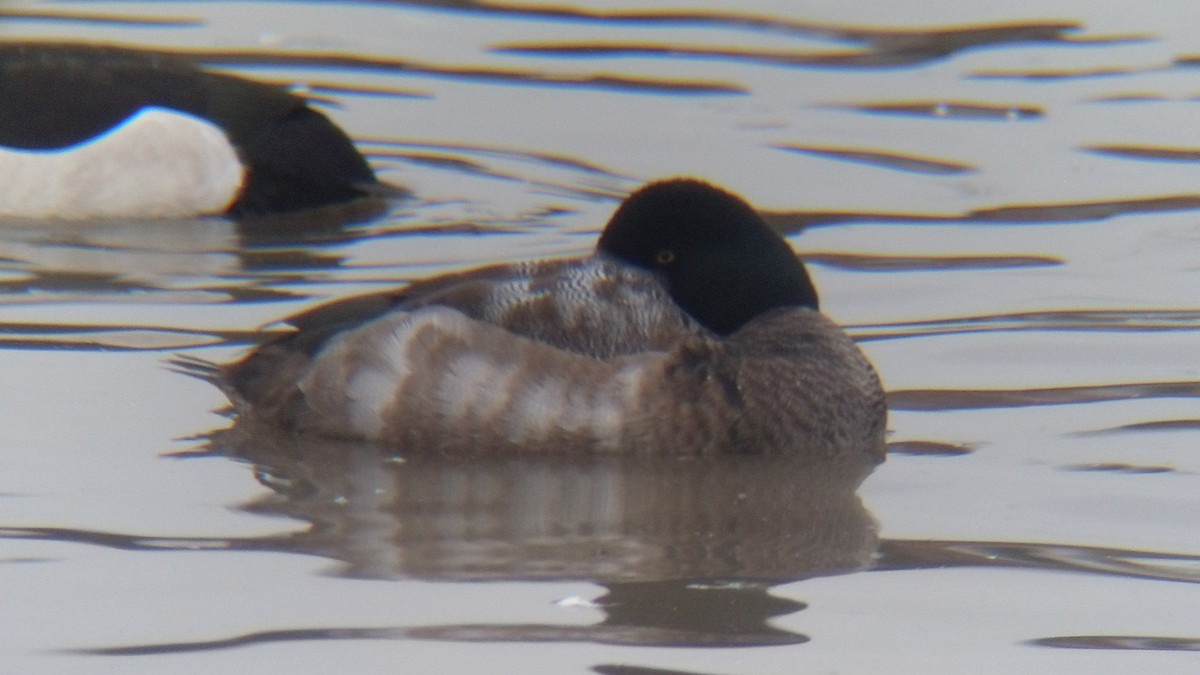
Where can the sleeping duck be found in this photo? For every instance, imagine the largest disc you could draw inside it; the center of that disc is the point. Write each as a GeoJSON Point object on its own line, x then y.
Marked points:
{"type": "Point", "coordinates": [692, 328]}
{"type": "Point", "coordinates": [89, 132]}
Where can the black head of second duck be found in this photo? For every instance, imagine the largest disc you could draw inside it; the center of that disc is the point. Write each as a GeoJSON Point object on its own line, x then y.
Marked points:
{"type": "Point", "coordinates": [718, 259]}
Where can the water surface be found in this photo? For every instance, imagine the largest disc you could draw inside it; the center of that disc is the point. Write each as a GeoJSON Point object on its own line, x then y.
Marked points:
{"type": "Point", "coordinates": [1002, 204]}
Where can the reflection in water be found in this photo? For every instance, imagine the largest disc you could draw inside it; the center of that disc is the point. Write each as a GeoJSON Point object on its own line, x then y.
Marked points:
{"type": "Point", "coordinates": [337, 224]}
{"type": "Point", "coordinates": [671, 613]}
{"type": "Point", "coordinates": [686, 547]}
{"type": "Point", "coordinates": [660, 614]}
{"type": "Point", "coordinates": [208, 245]}
{"type": "Point", "coordinates": [687, 550]}
{"type": "Point", "coordinates": [207, 261]}
{"type": "Point", "coordinates": [667, 612]}
{"type": "Point", "coordinates": [585, 516]}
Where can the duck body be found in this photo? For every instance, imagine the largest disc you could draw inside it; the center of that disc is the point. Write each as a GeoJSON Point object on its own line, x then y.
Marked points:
{"type": "Point", "coordinates": [106, 132]}
{"type": "Point", "coordinates": [588, 354]}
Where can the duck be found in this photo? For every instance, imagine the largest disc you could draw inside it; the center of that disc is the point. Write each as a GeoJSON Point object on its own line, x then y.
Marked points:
{"type": "Point", "coordinates": [103, 132]}
{"type": "Point", "coordinates": [692, 329]}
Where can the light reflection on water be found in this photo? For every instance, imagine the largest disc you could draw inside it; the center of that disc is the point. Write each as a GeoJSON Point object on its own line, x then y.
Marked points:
{"type": "Point", "coordinates": [995, 207]}
{"type": "Point", "coordinates": [686, 549]}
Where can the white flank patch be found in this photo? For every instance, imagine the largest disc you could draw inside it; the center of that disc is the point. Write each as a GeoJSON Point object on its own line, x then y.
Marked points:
{"type": "Point", "coordinates": [367, 394]}
{"type": "Point", "coordinates": [474, 387]}
{"type": "Point", "coordinates": [159, 163]}
{"type": "Point", "coordinates": [376, 361]}
{"type": "Point", "coordinates": [538, 411]}
{"type": "Point", "coordinates": [379, 371]}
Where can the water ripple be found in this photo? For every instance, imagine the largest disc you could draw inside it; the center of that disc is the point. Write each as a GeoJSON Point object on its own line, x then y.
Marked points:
{"type": "Point", "coordinates": [1157, 154]}
{"type": "Point", "coordinates": [100, 19]}
{"type": "Point", "coordinates": [1085, 320]}
{"type": "Point", "coordinates": [1158, 425]}
{"type": "Point", "coordinates": [1121, 642]}
{"type": "Point", "coordinates": [915, 554]}
{"type": "Point", "coordinates": [929, 448]}
{"type": "Point", "coordinates": [1072, 212]}
{"type": "Point", "coordinates": [974, 399]}
{"type": "Point", "coordinates": [908, 263]}
{"type": "Point", "coordinates": [406, 67]}
{"type": "Point", "coordinates": [112, 338]}
{"type": "Point", "coordinates": [952, 110]}
{"type": "Point", "coordinates": [878, 48]}
{"type": "Point", "coordinates": [885, 160]}
{"type": "Point", "coordinates": [248, 639]}
{"type": "Point", "coordinates": [1051, 75]}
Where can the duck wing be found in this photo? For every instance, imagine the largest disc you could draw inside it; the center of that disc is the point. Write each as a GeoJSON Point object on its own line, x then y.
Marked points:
{"type": "Point", "coordinates": [588, 306]}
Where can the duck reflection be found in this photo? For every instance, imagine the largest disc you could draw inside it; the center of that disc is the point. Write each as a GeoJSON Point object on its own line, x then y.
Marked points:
{"type": "Point", "coordinates": [687, 547]}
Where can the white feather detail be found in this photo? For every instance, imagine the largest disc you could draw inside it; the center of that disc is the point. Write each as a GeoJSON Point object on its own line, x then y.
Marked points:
{"type": "Point", "coordinates": [159, 163]}
{"type": "Point", "coordinates": [473, 387]}
{"type": "Point", "coordinates": [477, 381]}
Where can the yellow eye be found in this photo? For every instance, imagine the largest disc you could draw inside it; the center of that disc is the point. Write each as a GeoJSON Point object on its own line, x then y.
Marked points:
{"type": "Point", "coordinates": [665, 257]}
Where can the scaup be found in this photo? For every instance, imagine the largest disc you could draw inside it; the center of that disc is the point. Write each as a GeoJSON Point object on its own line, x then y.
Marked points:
{"type": "Point", "coordinates": [91, 132]}
{"type": "Point", "coordinates": [693, 328]}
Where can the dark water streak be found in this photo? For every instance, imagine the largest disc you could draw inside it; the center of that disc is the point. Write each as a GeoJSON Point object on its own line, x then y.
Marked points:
{"type": "Point", "coordinates": [1121, 643]}
{"type": "Point", "coordinates": [99, 19]}
{"type": "Point", "coordinates": [975, 399]}
{"type": "Point", "coordinates": [885, 160]}
{"type": "Point", "coordinates": [676, 613]}
{"type": "Point", "coordinates": [911, 263]}
{"type": "Point", "coordinates": [790, 222]}
{"type": "Point", "coordinates": [893, 555]}
{"type": "Point", "coordinates": [368, 64]}
{"type": "Point", "coordinates": [1113, 320]}
{"type": "Point", "coordinates": [659, 614]}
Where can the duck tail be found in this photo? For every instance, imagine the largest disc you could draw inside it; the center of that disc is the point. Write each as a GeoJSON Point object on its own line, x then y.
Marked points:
{"type": "Point", "coordinates": [201, 369]}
